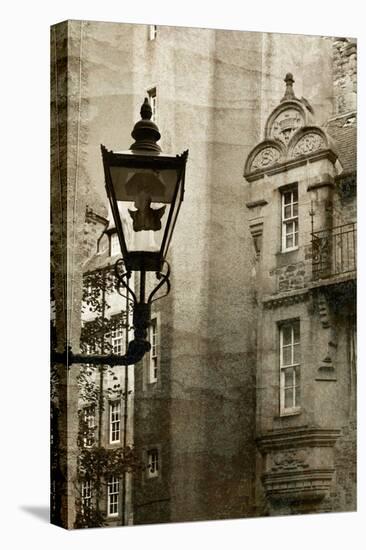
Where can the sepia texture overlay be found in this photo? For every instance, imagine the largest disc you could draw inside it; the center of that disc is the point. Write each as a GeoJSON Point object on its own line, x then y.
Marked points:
{"type": "Point", "coordinates": [245, 404]}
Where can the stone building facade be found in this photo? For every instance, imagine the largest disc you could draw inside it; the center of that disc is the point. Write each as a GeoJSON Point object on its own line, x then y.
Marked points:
{"type": "Point", "coordinates": [303, 226]}
{"type": "Point", "coordinates": [256, 273]}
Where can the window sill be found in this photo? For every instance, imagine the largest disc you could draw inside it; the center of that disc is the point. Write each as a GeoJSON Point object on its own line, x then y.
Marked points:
{"type": "Point", "coordinates": [287, 250]}
{"type": "Point", "coordinates": [286, 414]}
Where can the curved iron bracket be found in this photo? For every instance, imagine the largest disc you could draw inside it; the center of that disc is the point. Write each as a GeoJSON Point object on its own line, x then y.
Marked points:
{"type": "Point", "coordinates": [122, 276]}
{"type": "Point", "coordinates": [165, 280]}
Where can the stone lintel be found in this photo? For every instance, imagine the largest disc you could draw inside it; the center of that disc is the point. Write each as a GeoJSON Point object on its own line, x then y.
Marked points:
{"type": "Point", "coordinates": [254, 204]}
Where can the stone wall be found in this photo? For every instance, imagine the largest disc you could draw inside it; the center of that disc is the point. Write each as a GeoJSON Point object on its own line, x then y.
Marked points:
{"type": "Point", "coordinates": [345, 75]}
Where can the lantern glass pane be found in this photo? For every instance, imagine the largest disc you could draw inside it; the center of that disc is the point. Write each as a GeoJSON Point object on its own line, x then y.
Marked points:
{"type": "Point", "coordinates": [129, 183]}
{"type": "Point", "coordinates": [143, 198]}
{"type": "Point", "coordinates": [174, 214]}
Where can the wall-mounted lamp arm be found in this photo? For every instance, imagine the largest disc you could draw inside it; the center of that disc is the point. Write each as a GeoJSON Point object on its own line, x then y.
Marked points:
{"type": "Point", "coordinates": [135, 352]}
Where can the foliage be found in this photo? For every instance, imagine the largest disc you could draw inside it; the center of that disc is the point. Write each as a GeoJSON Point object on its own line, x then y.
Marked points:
{"type": "Point", "coordinates": [88, 516]}
{"type": "Point", "coordinates": [96, 463]}
{"type": "Point", "coordinates": [107, 462]}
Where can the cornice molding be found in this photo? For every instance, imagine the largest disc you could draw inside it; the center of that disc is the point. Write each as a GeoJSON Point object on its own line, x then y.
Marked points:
{"type": "Point", "coordinates": [297, 438]}
{"type": "Point", "coordinates": [285, 299]}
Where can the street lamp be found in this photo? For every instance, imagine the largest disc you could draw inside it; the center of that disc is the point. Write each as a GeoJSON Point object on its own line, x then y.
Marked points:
{"type": "Point", "coordinates": [145, 189]}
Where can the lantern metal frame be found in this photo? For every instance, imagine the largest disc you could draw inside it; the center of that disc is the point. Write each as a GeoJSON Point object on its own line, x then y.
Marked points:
{"type": "Point", "coordinates": [145, 260]}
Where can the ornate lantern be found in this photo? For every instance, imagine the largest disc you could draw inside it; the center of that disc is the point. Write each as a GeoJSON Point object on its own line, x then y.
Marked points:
{"type": "Point", "coordinates": [145, 189]}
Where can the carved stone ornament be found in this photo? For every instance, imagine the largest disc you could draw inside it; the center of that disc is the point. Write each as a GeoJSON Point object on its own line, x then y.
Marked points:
{"type": "Point", "coordinates": [266, 157]}
{"type": "Point", "coordinates": [286, 124]}
{"type": "Point", "coordinates": [308, 144]}
{"type": "Point", "coordinates": [298, 465]}
{"type": "Point", "coordinates": [290, 460]}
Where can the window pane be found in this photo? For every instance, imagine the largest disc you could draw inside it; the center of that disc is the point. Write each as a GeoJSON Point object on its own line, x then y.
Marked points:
{"type": "Point", "coordinates": [297, 375]}
{"type": "Point", "coordinates": [297, 357]}
{"type": "Point", "coordinates": [287, 212]}
{"type": "Point", "coordinates": [289, 377]}
{"type": "Point", "coordinates": [295, 210]}
{"type": "Point", "coordinates": [290, 228]}
{"type": "Point", "coordinates": [287, 197]}
{"type": "Point", "coordinates": [296, 328]}
{"type": "Point", "coordinates": [297, 397]}
{"type": "Point", "coordinates": [289, 241]}
{"type": "Point", "coordinates": [289, 393]}
{"type": "Point", "coordinates": [286, 356]}
{"type": "Point", "coordinates": [286, 335]}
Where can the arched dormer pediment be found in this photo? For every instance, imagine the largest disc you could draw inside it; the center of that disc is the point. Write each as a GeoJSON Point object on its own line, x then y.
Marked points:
{"type": "Point", "coordinates": [290, 137]}
{"type": "Point", "coordinates": [285, 120]}
{"type": "Point", "coordinates": [308, 140]}
{"type": "Point", "coordinates": [265, 155]}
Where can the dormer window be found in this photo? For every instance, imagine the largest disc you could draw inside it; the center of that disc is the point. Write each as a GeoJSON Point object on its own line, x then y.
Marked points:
{"type": "Point", "coordinates": [290, 219]}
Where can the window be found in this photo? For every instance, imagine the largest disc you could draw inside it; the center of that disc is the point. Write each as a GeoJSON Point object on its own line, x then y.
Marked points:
{"type": "Point", "coordinates": [89, 425]}
{"type": "Point", "coordinates": [86, 495]}
{"type": "Point", "coordinates": [114, 245]}
{"type": "Point", "coordinates": [290, 220]}
{"type": "Point", "coordinates": [153, 103]}
{"type": "Point", "coordinates": [152, 32]}
{"type": "Point", "coordinates": [114, 422]}
{"type": "Point", "coordinates": [117, 341]}
{"type": "Point", "coordinates": [113, 496]}
{"type": "Point", "coordinates": [153, 359]}
{"type": "Point", "coordinates": [290, 367]}
{"type": "Point", "coordinates": [152, 463]}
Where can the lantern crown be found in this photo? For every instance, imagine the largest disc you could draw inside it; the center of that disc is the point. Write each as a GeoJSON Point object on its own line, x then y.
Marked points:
{"type": "Point", "coordinates": [145, 132]}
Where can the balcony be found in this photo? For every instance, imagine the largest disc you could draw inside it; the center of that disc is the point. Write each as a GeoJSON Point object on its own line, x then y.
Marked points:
{"type": "Point", "coordinates": [334, 252]}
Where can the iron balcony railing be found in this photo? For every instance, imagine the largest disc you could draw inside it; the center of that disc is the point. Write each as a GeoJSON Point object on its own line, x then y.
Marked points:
{"type": "Point", "coordinates": [334, 251]}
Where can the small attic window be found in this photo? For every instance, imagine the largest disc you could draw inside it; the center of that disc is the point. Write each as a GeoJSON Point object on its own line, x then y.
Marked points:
{"type": "Point", "coordinates": [153, 29]}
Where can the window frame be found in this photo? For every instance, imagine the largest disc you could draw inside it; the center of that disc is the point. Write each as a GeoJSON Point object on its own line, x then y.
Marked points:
{"type": "Point", "coordinates": [113, 483]}
{"type": "Point", "coordinates": [117, 340]}
{"type": "Point", "coordinates": [86, 418]}
{"type": "Point", "coordinates": [113, 243]}
{"type": "Point", "coordinates": [293, 366]}
{"type": "Point", "coordinates": [153, 31]}
{"type": "Point", "coordinates": [113, 422]}
{"type": "Point", "coordinates": [290, 221]}
{"type": "Point", "coordinates": [154, 454]}
{"type": "Point", "coordinates": [86, 495]}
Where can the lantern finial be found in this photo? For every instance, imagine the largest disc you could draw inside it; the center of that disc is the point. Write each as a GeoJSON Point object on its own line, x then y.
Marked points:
{"type": "Point", "coordinates": [146, 110]}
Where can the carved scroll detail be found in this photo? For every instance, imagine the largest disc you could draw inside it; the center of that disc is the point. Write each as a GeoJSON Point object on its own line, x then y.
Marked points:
{"type": "Point", "coordinates": [308, 144]}
{"type": "Point", "coordinates": [266, 157]}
